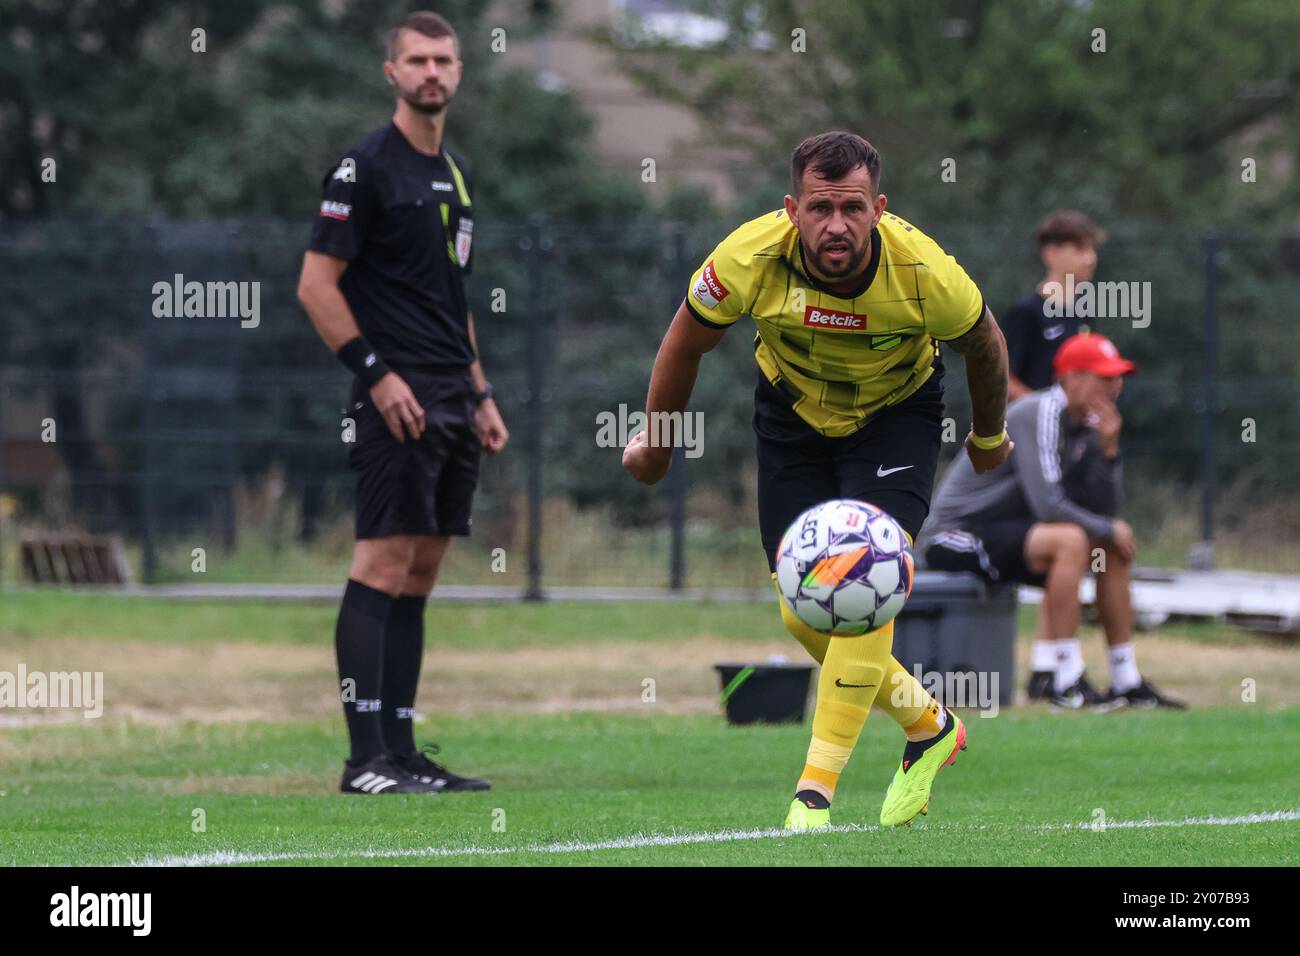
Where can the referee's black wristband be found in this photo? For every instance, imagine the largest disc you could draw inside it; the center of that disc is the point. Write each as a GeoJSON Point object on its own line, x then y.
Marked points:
{"type": "Point", "coordinates": [364, 362]}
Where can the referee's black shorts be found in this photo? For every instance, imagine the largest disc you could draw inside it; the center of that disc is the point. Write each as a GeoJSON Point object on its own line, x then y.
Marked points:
{"type": "Point", "coordinates": [417, 487]}
{"type": "Point", "coordinates": [890, 462]}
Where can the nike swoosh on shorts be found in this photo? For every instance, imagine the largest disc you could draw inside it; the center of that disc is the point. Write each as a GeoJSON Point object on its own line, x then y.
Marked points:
{"type": "Point", "coordinates": [882, 471]}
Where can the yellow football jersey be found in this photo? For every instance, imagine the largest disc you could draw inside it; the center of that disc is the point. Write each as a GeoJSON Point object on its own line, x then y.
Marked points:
{"type": "Point", "coordinates": [841, 358]}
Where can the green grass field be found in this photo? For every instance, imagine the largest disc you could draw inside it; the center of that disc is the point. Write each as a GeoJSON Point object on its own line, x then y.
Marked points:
{"type": "Point", "coordinates": [224, 714]}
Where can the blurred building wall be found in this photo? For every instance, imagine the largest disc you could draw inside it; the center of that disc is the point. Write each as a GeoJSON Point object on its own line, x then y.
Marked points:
{"type": "Point", "coordinates": [631, 124]}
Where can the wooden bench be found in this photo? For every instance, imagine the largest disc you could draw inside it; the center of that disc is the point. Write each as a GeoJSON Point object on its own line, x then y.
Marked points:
{"type": "Point", "coordinates": [69, 558]}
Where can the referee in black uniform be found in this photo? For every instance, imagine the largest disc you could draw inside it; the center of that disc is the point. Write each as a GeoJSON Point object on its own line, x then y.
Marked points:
{"type": "Point", "coordinates": [383, 283]}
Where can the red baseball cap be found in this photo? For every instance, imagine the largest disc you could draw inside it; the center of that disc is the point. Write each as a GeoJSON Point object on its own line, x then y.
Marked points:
{"type": "Point", "coordinates": [1088, 352]}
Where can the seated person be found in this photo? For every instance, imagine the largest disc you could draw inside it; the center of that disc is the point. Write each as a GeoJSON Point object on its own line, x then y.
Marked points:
{"type": "Point", "coordinates": [1038, 517]}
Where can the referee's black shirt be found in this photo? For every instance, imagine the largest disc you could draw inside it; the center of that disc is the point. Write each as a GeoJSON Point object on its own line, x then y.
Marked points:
{"type": "Point", "coordinates": [1033, 338]}
{"type": "Point", "coordinates": [403, 220]}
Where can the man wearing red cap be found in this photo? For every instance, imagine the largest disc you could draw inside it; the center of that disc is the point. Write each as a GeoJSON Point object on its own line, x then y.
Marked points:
{"type": "Point", "coordinates": [1038, 518]}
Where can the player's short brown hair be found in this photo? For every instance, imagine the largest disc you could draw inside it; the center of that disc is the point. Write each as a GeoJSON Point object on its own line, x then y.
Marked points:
{"type": "Point", "coordinates": [1069, 225]}
{"type": "Point", "coordinates": [834, 155]}
{"type": "Point", "coordinates": [422, 21]}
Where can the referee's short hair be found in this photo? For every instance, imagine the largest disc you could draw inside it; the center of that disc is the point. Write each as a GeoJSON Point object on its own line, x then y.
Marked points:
{"type": "Point", "coordinates": [422, 21]}
{"type": "Point", "coordinates": [833, 156]}
{"type": "Point", "coordinates": [1069, 225]}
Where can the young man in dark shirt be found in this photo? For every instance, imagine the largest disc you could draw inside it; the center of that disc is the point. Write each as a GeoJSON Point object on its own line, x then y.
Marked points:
{"type": "Point", "coordinates": [383, 283]}
{"type": "Point", "coordinates": [1036, 326]}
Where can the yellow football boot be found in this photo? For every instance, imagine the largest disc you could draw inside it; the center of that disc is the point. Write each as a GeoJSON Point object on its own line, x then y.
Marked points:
{"type": "Point", "coordinates": [909, 794]}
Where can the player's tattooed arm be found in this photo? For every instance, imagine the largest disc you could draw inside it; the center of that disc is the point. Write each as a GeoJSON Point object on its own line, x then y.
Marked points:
{"type": "Point", "coordinates": [985, 352]}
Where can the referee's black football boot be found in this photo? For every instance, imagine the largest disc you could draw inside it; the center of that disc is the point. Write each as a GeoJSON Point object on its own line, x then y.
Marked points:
{"type": "Point", "coordinates": [1143, 695]}
{"type": "Point", "coordinates": [380, 775]}
{"type": "Point", "coordinates": [1077, 696]}
{"type": "Point", "coordinates": [435, 775]}
{"type": "Point", "coordinates": [1040, 685]}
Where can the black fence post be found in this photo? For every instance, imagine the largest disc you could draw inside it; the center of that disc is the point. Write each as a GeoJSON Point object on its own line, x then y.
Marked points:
{"type": "Point", "coordinates": [4, 397]}
{"type": "Point", "coordinates": [149, 471]}
{"type": "Point", "coordinates": [228, 411]}
{"type": "Point", "coordinates": [1202, 557]}
{"type": "Point", "coordinates": [531, 246]}
{"type": "Point", "coordinates": [679, 277]}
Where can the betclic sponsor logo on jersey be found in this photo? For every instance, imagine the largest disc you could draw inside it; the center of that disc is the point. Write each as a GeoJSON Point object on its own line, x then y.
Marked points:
{"type": "Point", "coordinates": [710, 291]}
{"type": "Point", "coordinates": [817, 317]}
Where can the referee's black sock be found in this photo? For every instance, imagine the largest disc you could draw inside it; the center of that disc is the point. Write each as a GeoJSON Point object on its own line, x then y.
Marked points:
{"type": "Point", "coordinates": [359, 646]}
{"type": "Point", "coordinates": [403, 651]}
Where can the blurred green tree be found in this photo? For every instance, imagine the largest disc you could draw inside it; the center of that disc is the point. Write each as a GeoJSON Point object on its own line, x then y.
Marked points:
{"type": "Point", "coordinates": [139, 123]}
{"type": "Point", "coordinates": [1151, 118]}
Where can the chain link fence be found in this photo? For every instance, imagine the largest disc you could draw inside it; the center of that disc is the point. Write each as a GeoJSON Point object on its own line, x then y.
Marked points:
{"type": "Point", "coordinates": [215, 446]}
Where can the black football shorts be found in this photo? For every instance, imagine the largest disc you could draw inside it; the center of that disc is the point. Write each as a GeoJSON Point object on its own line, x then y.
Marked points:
{"type": "Point", "coordinates": [890, 462]}
{"type": "Point", "coordinates": [994, 549]}
{"type": "Point", "coordinates": [423, 486]}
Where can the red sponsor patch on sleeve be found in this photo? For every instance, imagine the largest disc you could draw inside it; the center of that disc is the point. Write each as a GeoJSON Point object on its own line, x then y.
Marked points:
{"type": "Point", "coordinates": [709, 290]}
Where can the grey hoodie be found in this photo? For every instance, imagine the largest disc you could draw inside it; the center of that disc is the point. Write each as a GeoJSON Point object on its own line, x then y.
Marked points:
{"type": "Point", "coordinates": [1055, 470]}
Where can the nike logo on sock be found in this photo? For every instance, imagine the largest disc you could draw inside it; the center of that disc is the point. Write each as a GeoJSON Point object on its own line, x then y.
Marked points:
{"type": "Point", "coordinates": [882, 471]}
{"type": "Point", "coordinates": [839, 683]}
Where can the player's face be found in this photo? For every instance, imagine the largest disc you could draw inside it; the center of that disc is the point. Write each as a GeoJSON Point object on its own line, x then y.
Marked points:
{"type": "Point", "coordinates": [425, 72]}
{"type": "Point", "coordinates": [835, 219]}
{"type": "Point", "coordinates": [1083, 390]}
{"type": "Point", "coordinates": [1071, 258]}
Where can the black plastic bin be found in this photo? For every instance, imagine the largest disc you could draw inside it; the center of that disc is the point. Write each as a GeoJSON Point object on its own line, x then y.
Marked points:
{"type": "Point", "coordinates": [772, 693]}
{"type": "Point", "coordinates": [958, 626]}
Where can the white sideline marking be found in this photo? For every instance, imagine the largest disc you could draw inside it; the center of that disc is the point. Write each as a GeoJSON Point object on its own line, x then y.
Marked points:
{"type": "Point", "coordinates": [229, 857]}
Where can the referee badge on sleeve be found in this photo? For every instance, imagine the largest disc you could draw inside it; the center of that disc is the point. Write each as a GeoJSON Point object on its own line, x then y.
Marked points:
{"type": "Point", "coordinates": [464, 234]}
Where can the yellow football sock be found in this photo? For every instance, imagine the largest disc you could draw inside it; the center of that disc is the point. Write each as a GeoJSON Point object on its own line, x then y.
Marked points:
{"type": "Point", "coordinates": [926, 727]}
{"type": "Point", "coordinates": [850, 679]}
{"type": "Point", "coordinates": [901, 695]}
{"type": "Point", "coordinates": [911, 706]}
{"type": "Point", "coordinates": [814, 642]}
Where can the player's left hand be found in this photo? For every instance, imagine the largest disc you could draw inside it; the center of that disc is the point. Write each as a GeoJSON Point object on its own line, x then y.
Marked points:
{"type": "Point", "coordinates": [492, 433]}
{"type": "Point", "coordinates": [986, 459]}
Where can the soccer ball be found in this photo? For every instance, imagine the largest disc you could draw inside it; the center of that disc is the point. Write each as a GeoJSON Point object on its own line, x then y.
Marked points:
{"type": "Point", "coordinates": [843, 567]}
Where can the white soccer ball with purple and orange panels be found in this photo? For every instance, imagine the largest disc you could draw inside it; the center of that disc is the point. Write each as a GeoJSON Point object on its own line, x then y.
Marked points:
{"type": "Point", "coordinates": [843, 567]}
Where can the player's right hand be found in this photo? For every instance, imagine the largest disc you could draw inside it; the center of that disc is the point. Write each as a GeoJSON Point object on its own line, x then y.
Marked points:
{"type": "Point", "coordinates": [1125, 542]}
{"type": "Point", "coordinates": [394, 400]}
{"type": "Point", "coordinates": [644, 463]}
{"type": "Point", "coordinates": [1103, 417]}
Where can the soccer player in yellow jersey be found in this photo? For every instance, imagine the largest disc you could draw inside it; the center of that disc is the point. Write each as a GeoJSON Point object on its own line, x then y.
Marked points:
{"type": "Point", "coordinates": [850, 304]}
